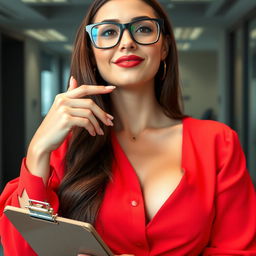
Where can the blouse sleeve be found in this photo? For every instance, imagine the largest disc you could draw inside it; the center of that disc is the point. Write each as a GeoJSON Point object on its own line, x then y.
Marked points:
{"type": "Point", "coordinates": [234, 226]}
{"type": "Point", "coordinates": [12, 241]}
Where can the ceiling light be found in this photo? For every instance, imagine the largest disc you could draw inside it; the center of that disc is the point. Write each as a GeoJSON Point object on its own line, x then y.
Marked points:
{"type": "Point", "coordinates": [68, 47]}
{"type": "Point", "coordinates": [54, 35]}
{"type": "Point", "coordinates": [196, 32]}
{"type": "Point", "coordinates": [177, 32]}
{"type": "Point", "coordinates": [186, 46]}
{"type": "Point", "coordinates": [35, 35]}
{"type": "Point", "coordinates": [191, 1]}
{"type": "Point", "coordinates": [183, 46]}
{"type": "Point", "coordinates": [44, 1]}
{"type": "Point", "coordinates": [187, 33]}
{"type": "Point", "coordinates": [46, 35]}
{"type": "Point", "coordinates": [253, 34]}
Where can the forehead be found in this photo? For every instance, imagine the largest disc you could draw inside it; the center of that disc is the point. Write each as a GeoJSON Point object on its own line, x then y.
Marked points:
{"type": "Point", "coordinates": [123, 10]}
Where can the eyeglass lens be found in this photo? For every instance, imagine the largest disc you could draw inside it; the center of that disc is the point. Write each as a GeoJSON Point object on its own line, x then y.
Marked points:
{"type": "Point", "coordinates": [143, 32]}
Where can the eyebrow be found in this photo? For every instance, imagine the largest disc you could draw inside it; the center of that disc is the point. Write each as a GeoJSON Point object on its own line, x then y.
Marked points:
{"type": "Point", "coordinates": [133, 19]}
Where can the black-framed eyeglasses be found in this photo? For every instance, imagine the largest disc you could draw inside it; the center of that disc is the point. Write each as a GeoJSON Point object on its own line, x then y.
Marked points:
{"type": "Point", "coordinates": [107, 34]}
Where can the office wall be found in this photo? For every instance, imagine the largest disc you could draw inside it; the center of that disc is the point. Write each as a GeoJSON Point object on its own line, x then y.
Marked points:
{"type": "Point", "coordinates": [199, 76]}
{"type": "Point", "coordinates": [34, 54]}
{"type": "Point", "coordinates": [32, 88]}
{"type": "Point", "coordinates": [223, 76]}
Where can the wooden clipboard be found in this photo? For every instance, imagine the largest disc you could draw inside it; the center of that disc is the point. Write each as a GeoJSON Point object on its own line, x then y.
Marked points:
{"type": "Point", "coordinates": [50, 235]}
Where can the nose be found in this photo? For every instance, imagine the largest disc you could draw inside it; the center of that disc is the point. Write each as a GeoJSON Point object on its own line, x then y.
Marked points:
{"type": "Point", "coordinates": [127, 41]}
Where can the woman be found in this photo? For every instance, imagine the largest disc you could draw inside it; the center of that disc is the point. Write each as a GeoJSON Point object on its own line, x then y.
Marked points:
{"type": "Point", "coordinates": [116, 150]}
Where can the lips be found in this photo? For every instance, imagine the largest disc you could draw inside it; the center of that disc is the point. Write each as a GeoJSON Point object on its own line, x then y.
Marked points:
{"type": "Point", "coordinates": [129, 61]}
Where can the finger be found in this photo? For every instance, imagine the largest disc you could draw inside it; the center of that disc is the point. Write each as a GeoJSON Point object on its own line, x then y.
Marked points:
{"type": "Point", "coordinates": [72, 84]}
{"type": "Point", "coordinates": [83, 122]}
{"type": "Point", "coordinates": [85, 90]}
{"type": "Point", "coordinates": [87, 113]}
{"type": "Point", "coordinates": [97, 111]}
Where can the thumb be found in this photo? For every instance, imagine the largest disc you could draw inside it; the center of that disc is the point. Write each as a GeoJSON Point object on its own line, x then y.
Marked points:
{"type": "Point", "coordinates": [72, 83]}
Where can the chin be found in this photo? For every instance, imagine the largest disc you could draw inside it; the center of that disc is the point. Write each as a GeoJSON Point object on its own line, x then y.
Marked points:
{"type": "Point", "coordinates": [130, 79]}
{"type": "Point", "coordinates": [130, 84]}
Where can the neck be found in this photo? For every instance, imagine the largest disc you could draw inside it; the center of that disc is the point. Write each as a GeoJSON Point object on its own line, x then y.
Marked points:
{"type": "Point", "coordinates": [136, 110]}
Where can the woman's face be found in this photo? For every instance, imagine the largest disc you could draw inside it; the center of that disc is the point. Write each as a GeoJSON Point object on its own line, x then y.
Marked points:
{"type": "Point", "coordinates": [136, 73]}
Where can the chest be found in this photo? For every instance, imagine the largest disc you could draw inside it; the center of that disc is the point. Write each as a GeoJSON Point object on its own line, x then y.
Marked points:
{"type": "Point", "coordinates": [183, 224]}
{"type": "Point", "coordinates": [157, 164]}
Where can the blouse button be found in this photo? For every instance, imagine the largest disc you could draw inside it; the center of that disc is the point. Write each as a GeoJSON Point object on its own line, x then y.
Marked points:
{"type": "Point", "coordinates": [134, 203]}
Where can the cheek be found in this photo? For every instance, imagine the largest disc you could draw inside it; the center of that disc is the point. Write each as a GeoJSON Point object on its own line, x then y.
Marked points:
{"type": "Point", "coordinates": [155, 57]}
{"type": "Point", "coordinates": [103, 59]}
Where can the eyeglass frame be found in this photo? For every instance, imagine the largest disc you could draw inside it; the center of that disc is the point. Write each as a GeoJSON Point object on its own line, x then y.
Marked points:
{"type": "Point", "coordinates": [123, 26]}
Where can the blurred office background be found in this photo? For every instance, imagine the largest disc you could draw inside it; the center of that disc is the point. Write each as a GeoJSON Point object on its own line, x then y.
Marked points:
{"type": "Point", "coordinates": [217, 48]}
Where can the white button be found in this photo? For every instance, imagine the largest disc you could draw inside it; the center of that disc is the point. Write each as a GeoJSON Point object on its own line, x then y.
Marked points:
{"type": "Point", "coordinates": [134, 203]}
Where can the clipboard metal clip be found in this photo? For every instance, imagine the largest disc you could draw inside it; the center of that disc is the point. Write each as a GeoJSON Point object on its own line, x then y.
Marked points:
{"type": "Point", "coordinates": [41, 210]}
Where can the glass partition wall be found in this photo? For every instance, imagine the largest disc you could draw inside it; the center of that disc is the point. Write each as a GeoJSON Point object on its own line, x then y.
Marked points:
{"type": "Point", "coordinates": [242, 92]}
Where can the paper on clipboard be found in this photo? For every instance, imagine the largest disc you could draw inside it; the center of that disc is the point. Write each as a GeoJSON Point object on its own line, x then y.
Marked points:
{"type": "Point", "coordinates": [61, 237]}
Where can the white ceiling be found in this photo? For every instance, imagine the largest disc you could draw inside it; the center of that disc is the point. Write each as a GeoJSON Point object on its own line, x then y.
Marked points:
{"type": "Point", "coordinates": [213, 15]}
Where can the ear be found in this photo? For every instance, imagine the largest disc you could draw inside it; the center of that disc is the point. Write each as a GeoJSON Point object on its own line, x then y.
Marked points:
{"type": "Point", "coordinates": [165, 48]}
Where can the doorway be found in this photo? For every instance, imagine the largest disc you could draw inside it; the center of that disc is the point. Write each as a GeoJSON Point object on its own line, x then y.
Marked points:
{"type": "Point", "coordinates": [12, 107]}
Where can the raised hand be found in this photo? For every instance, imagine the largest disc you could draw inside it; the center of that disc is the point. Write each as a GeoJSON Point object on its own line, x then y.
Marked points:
{"type": "Point", "coordinates": [69, 109]}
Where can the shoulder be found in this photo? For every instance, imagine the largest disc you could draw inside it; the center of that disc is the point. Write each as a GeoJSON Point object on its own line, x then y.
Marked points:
{"type": "Point", "coordinates": [212, 140]}
{"type": "Point", "coordinates": [208, 127]}
{"type": "Point", "coordinates": [209, 131]}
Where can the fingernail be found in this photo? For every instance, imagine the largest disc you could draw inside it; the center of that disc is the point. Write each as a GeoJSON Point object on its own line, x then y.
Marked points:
{"type": "Point", "coordinates": [110, 117]}
{"type": "Point", "coordinates": [93, 133]}
{"type": "Point", "coordinates": [101, 132]}
{"type": "Point", "coordinates": [109, 122]}
{"type": "Point", "coordinates": [71, 82]}
{"type": "Point", "coordinates": [110, 87]}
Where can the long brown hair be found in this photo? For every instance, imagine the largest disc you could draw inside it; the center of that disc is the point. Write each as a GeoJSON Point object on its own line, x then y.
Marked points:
{"type": "Point", "coordinates": [89, 159]}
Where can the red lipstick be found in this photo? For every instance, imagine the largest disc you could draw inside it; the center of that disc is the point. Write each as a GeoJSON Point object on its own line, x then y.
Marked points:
{"type": "Point", "coordinates": [128, 61]}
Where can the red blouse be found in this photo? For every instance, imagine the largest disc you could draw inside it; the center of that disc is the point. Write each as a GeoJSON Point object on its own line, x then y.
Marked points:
{"type": "Point", "coordinates": [211, 212]}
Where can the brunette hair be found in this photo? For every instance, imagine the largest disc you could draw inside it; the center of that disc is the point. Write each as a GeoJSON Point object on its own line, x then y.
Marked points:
{"type": "Point", "coordinates": [89, 159]}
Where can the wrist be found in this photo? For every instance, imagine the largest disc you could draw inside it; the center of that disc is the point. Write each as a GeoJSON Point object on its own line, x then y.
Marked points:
{"type": "Point", "coordinates": [38, 162]}
{"type": "Point", "coordinates": [38, 148]}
